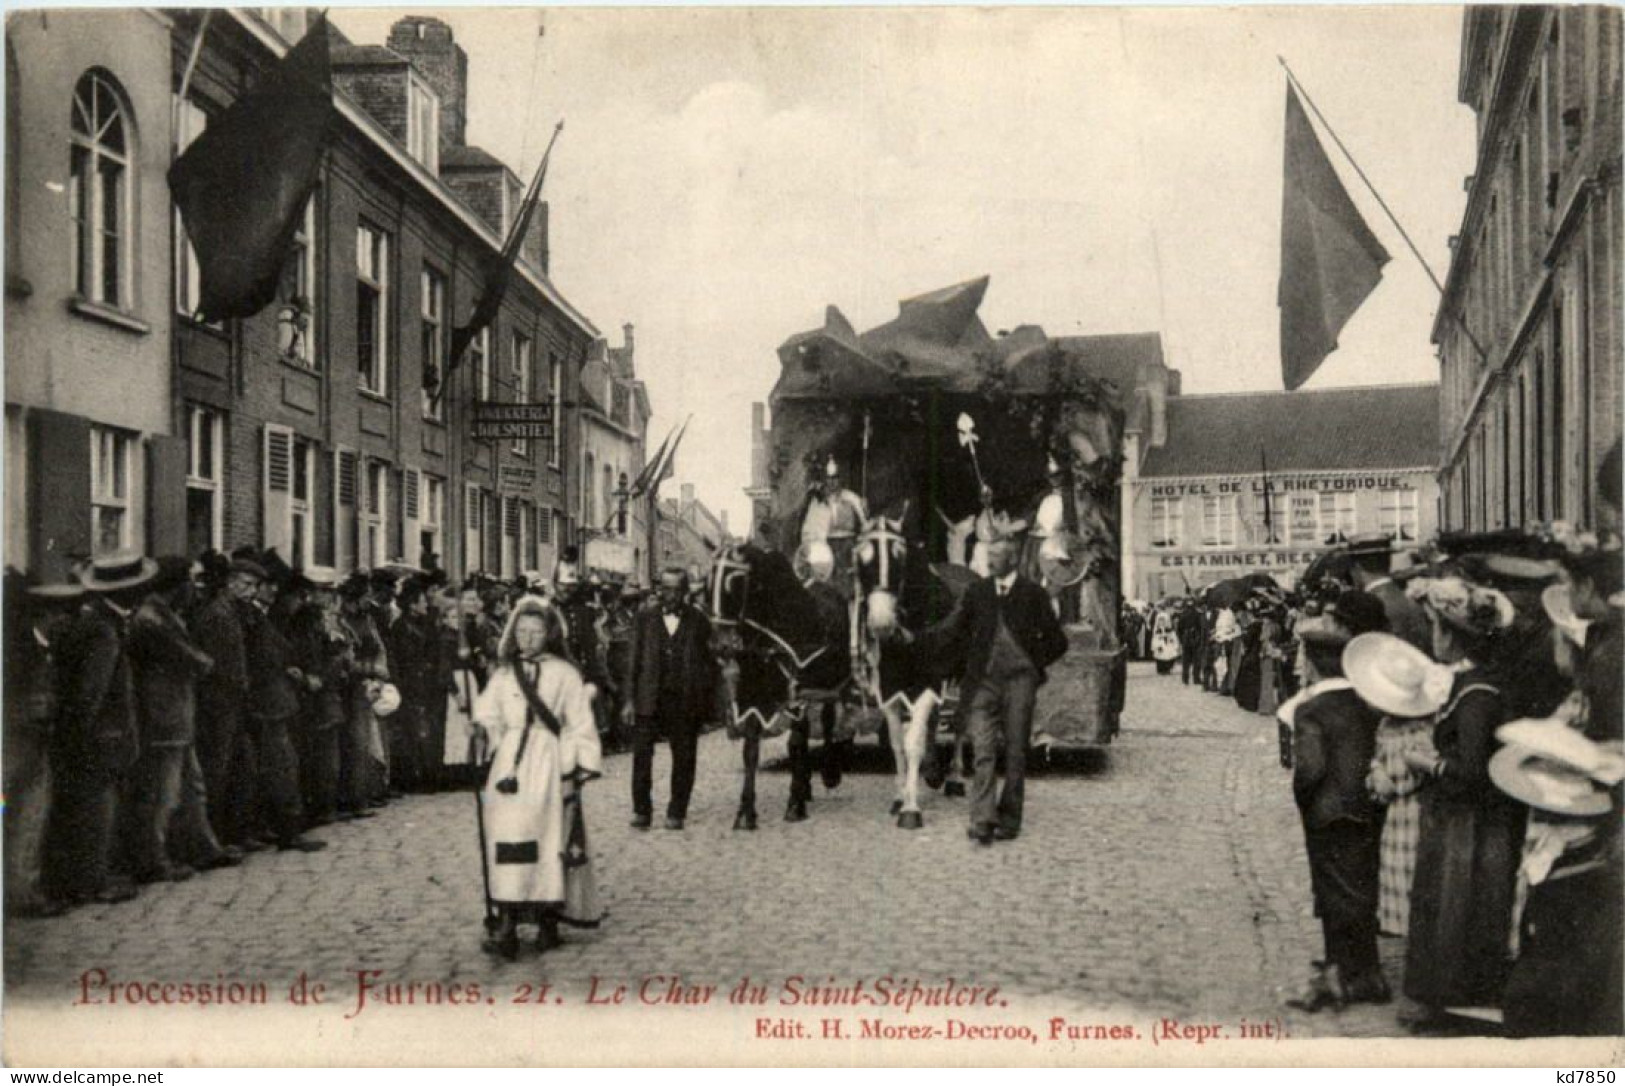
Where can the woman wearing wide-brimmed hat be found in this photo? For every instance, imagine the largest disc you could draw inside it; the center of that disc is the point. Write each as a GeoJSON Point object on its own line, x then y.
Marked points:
{"type": "Point", "coordinates": [1471, 834]}
{"type": "Point", "coordinates": [1408, 688]}
{"type": "Point", "coordinates": [1569, 977]}
{"type": "Point", "coordinates": [537, 710]}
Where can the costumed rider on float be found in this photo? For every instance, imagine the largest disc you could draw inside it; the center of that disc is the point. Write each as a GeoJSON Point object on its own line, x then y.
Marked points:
{"type": "Point", "coordinates": [829, 529]}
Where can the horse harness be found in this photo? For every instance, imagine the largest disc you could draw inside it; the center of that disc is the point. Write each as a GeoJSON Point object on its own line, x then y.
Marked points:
{"type": "Point", "coordinates": [768, 645]}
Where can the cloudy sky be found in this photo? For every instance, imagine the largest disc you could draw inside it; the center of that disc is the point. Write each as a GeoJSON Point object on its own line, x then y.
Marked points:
{"type": "Point", "coordinates": [726, 173]}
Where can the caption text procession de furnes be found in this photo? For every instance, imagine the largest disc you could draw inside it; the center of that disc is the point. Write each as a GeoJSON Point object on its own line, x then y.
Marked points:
{"type": "Point", "coordinates": [887, 1007]}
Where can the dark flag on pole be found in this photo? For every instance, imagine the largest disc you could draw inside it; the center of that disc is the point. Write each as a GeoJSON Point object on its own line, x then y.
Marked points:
{"type": "Point", "coordinates": [497, 274]}
{"type": "Point", "coordinates": [242, 186]}
{"type": "Point", "coordinates": [659, 469]}
{"type": "Point", "coordinates": [641, 484]}
{"type": "Point", "coordinates": [669, 461]}
{"type": "Point", "coordinates": [1330, 259]}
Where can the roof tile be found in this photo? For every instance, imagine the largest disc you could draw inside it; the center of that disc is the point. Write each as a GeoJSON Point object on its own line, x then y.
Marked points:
{"type": "Point", "coordinates": [1378, 426]}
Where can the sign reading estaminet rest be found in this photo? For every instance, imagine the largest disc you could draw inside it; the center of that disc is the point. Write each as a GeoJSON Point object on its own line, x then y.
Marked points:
{"type": "Point", "coordinates": [512, 422]}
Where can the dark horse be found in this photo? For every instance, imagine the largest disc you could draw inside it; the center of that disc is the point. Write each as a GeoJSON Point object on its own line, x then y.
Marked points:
{"type": "Point", "coordinates": [782, 645]}
{"type": "Point", "coordinates": [902, 596]}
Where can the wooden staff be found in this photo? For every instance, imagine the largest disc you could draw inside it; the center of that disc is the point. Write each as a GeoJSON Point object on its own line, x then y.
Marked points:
{"type": "Point", "coordinates": [492, 917]}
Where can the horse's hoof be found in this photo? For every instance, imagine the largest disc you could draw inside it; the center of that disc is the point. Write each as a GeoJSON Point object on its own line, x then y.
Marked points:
{"type": "Point", "coordinates": [954, 789]}
{"type": "Point", "coordinates": [796, 811]}
{"type": "Point", "coordinates": [932, 780]}
{"type": "Point", "coordinates": [896, 806]}
{"type": "Point", "coordinates": [831, 777]}
{"type": "Point", "coordinates": [745, 820]}
{"type": "Point", "coordinates": [910, 820]}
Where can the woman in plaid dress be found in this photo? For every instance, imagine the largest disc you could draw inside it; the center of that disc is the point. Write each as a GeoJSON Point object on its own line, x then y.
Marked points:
{"type": "Point", "coordinates": [1394, 782]}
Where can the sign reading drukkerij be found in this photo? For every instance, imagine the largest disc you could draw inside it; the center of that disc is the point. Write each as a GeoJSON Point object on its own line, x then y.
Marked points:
{"type": "Point", "coordinates": [512, 422]}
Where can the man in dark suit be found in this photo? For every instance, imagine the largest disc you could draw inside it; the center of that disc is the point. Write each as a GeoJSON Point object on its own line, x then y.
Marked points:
{"type": "Point", "coordinates": [98, 738]}
{"type": "Point", "coordinates": [272, 709]}
{"type": "Point", "coordinates": [1007, 634]}
{"type": "Point", "coordinates": [1334, 741]}
{"type": "Point", "coordinates": [223, 747]}
{"type": "Point", "coordinates": [671, 688]}
{"type": "Point", "coordinates": [1189, 627]}
{"type": "Point", "coordinates": [166, 665]}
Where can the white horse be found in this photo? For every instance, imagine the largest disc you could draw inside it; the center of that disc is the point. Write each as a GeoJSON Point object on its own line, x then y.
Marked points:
{"type": "Point", "coordinates": [902, 677]}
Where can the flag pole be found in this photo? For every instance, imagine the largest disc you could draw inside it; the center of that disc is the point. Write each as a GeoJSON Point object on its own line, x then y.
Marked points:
{"type": "Point", "coordinates": [191, 64]}
{"type": "Point", "coordinates": [1269, 520]}
{"type": "Point", "coordinates": [507, 257]}
{"type": "Point", "coordinates": [1417, 253]}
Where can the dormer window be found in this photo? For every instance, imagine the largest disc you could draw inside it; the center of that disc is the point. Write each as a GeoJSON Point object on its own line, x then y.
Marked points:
{"type": "Point", "coordinates": [422, 122]}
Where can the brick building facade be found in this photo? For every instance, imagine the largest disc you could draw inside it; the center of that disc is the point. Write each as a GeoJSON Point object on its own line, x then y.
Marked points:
{"type": "Point", "coordinates": [614, 426]}
{"type": "Point", "coordinates": [1528, 333]}
{"type": "Point", "coordinates": [332, 450]}
{"type": "Point", "coordinates": [306, 427]}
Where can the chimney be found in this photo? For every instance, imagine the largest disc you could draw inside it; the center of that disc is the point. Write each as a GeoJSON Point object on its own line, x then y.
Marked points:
{"type": "Point", "coordinates": [428, 44]}
{"type": "Point", "coordinates": [1155, 381]}
{"type": "Point", "coordinates": [626, 336]}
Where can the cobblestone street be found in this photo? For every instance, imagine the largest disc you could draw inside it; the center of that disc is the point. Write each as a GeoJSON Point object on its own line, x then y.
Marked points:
{"type": "Point", "coordinates": [1164, 875]}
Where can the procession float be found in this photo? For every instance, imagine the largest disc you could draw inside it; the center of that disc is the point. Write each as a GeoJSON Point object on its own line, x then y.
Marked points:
{"type": "Point", "coordinates": [897, 457]}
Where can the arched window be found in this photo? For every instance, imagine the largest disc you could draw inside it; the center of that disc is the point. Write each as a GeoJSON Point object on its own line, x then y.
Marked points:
{"type": "Point", "coordinates": [103, 146]}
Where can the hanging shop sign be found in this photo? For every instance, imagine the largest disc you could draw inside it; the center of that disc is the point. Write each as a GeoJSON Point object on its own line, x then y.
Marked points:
{"type": "Point", "coordinates": [512, 422]}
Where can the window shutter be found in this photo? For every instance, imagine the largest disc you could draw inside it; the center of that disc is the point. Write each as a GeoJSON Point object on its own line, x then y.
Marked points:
{"type": "Point", "coordinates": [471, 529]}
{"type": "Point", "coordinates": [347, 478]}
{"type": "Point", "coordinates": [412, 541]}
{"type": "Point", "coordinates": [344, 528]}
{"type": "Point", "coordinates": [278, 460]}
{"type": "Point", "coordinates": [510, 516]}
{"type": "Point", "coordinates": [275, 530]}
{"type": "Point", "coordinates": [57, 505]}
{"type": "Point", "coordinates": [544, 525]}
{"type": "Point", "coordinates": [166, 494]}
{"type": "Point", "coordinates": [491, 520]}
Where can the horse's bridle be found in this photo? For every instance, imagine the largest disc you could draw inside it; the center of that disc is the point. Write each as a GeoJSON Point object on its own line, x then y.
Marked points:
{"type": "Point", "coordinates": [729, 567]}
{"type": "Point", "coordinates": [881, 534]}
